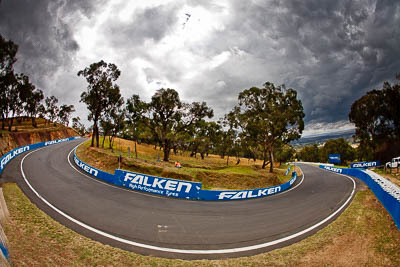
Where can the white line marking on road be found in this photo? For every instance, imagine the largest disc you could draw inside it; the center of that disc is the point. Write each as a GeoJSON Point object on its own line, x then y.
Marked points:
{"type": "Point", "coordinates": [187, 251]}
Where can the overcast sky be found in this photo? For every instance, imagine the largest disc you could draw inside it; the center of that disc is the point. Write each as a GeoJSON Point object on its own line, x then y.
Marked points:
{"type": "Point", "coordinates": [331, 52]}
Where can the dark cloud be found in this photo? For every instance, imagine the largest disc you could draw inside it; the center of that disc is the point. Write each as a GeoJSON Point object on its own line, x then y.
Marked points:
{"type": "Point", "coordinates": [331, 52]}
{"type": "Point", "coordinates": [43, 30]}
{"type": "Point", "coordinates": [334, 50]}
{"type": "Point", "coordinates": [151, 23]}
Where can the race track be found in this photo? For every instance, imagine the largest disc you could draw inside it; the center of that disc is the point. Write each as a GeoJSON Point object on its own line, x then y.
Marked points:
{"type": "Point", "coordinates": [152, 225]}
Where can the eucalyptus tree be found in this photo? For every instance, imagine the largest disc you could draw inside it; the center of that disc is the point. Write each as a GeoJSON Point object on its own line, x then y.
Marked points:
{"type": "Point", "coordinates": [78, 125]}
{"type": "Point", "coordinates": [268, 115]}
{"type": "Point", "coordinates": [101, 92]}
{"type": "Point", "coordinates": [135, 109]}
{"type": "Point", "coordinates": [167, 116]}
{"type": "Point", "coordinates": [33, 104]}
{"type": "Point", "coordinates": [15, 95]}
{"type": "Point", "coordinates": [51, 108]}
{"type": "Point", "coordinates": [64, 113]}
{"type": "Point", "coordinates": [8, 52]}
{"type": "Point", "coordinates": [376, 116]}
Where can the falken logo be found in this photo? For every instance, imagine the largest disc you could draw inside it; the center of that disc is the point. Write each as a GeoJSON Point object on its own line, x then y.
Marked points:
{"type": "Point", "coordinates": [86, 168]}
{"type": "Point", "coordinates": [333, 169]}
{"type": "Point", "coordinates": [12, 154]}
{"type": "Point", "coordinates": [249, 194]}
{"type": "Point", "coordinates": [364, 164]}
{"type": "Point", "coordinates": [55, 141]}
{"type": "Point", "coordinates": [157, 183]}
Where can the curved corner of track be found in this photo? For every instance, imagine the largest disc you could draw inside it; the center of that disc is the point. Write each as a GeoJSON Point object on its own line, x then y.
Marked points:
{"type": "Point", "coordinates": [174, 228]}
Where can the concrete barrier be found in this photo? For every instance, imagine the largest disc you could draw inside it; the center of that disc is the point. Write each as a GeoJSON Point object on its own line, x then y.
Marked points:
{"type": "Point", "coordinates": [385, 191]}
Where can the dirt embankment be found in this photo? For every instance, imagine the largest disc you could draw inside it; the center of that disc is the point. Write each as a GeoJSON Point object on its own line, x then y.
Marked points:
{"type": "Point", "coordinates": [9, 141]}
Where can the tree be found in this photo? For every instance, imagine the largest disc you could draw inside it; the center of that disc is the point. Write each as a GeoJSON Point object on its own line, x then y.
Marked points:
{"type": "Point", "coordinates": [64, 113]}
{"type": "Point", "coordinates": [51, 108]}
{"type": "Point", "coordinates": [135, 108]}
{"type": "Point", "coordinates": [16, 93]}
{"type": "Point", "coordinates": [101, 92]}
{"type": "Point", "coordinates": [8, 52]}
{"type": "Point", "coordinates": [167, 116]}
{"type": "Point", "coordinates": [338, 146]}
{"type": "Point", "coordinates": [310, 153]}
{"type": "Point", "coordinates": [284, 153]}
{"type": "Point", "coordinates": [78, 125]}
{"type": "Point", "coordinates": [112, 123]}
{"type": "Point", "coordinates": [269, 115]}
{"type": "Point", "coordinates": [33, 105]}
{"type": "Point", "coordinates": [227, 135]}
{"type": "Point", "coordinates": [8, 95]}
{"type": "Point", "coordinates": [202, 133]}
{"type": "Point", "coordinates": [376, 116]}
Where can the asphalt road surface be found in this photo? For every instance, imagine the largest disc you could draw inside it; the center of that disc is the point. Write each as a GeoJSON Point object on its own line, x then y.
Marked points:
{"type": "Point", "coordinates": [173, 228]}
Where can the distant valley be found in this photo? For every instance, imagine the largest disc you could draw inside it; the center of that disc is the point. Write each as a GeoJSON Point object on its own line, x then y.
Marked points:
{"type": "Point", "coordinates": [322, 138]}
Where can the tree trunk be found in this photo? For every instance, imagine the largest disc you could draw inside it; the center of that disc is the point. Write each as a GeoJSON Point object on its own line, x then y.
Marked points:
{"type": "Point", "coordinates": [104, 139]}
{"type": "Point", "coordinates": [94, 134]}
{"type": "Point", "coordinates": [34, 122]}
{"type": "Point", "coordinates": [166, 151]}
{"type": "Point", "coordinates": [264, 164]}
{"type": "Point", "coordinates": [97, 136]}
{"type": "Point", "coordinates": [135, 149]}
{"type": "Point", "coordinates": [10, 123]}
{"type": "Point", "coordinates": [92, 144]}
{"type": "Point", "coordinates": [271, 156]}
{"type": "Point", "coordinates": [227, 161]}
{"type": "Point", "coordinates": [110, 142]}
{"type": "Point", "coordinates": [265, 158]}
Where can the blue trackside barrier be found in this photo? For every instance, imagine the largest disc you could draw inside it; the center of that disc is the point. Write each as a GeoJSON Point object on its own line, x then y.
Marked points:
{"type": "Point", "coordinates": [3, 245]}
{"type": "Point", "coordinates": [176, 188]}
{"type": "Point", "coordinates": [246, 194]}
{"type": "Point", "coordinates": [158, 185]}
{"type": "Point", "coordinates": [15, 152]}
{"type": "Point", "coordinates": [386, 192]}
{"type": "Point", "coordinates": [105, 176]}
{"type": "Point", "coordinates": [142, 182]}
{"type": "Point", "coordinates": [366, 165]}
{"type": "Point", "coordinates": [287, 171]}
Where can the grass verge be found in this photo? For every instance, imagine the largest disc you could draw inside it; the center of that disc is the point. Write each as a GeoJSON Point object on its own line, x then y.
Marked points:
{"type": "Point", "coordinates": [212, 171]}
{"type": "Point", "coordinates": [363, 235]}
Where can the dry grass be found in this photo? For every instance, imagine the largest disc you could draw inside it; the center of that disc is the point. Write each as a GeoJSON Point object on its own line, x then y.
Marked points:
{"type": "Point", "coordinates": [25, 125]}
{"type": "Point", "coordinates": [363, 235]}
{"type": "Point", "coordinates": [212, 171]}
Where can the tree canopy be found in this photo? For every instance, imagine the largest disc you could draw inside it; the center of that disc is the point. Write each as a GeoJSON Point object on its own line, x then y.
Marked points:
{"type": "Point", "coordinates": [101, 93]}
{"type": "Point", "coordinates": [268, 115]}
{"type": "Point", "coordinates": [376, 116]}
{"type": "Point", "coordinates": [167, 116]}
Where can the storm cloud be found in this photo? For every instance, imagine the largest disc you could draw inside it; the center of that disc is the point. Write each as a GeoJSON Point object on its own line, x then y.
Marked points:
{"type": "Point", "coordinates": [331, 52]}
{"type": "Point", "coordinates": [44, 33]}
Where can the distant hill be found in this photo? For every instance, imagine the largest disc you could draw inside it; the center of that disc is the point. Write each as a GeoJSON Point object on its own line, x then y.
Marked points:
{"type": "Point", "coordinates": [322, 138]}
